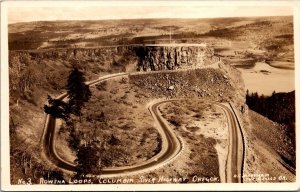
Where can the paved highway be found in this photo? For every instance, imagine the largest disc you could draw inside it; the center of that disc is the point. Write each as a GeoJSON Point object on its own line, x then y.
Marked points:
{"type": "Point", "coordinates": [235, 159]}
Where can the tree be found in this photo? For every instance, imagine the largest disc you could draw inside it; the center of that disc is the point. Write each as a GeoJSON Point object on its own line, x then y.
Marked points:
{"type": "Point", "coordinates": [57, 108]}
{"type": "Point", "coordinates": [88, 161]}
{"type": "Point", "coordinates": [74, 140]}
{"type": "Point", "coordinates": [78, 91]}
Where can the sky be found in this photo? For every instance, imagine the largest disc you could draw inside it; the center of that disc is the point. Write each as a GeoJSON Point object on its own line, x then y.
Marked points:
{"type": "Point", "coordinates": [71, 11]}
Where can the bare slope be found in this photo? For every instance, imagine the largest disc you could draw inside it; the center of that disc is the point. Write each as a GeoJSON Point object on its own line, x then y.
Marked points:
{"type": "Point", "coordinates": [204, 128]}
{"type": "Point", "coordinates": [269, 145]}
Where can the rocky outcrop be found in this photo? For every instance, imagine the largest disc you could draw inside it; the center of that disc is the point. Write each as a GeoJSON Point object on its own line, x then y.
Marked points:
{"type": "Point", "coordinates": [145, 57]}
{"type": "Point", "coordinates": [78, 53]}
{"type": "Point", "coordinates": [159, 57]}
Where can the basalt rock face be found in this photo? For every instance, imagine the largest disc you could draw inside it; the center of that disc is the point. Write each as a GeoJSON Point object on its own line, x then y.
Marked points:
{"type": "Point", "coordinates": [78, 53]}
{"type": "Point", "coordinates": [145, 58]}
{"type": "Point", "coordinates": [155, 58]}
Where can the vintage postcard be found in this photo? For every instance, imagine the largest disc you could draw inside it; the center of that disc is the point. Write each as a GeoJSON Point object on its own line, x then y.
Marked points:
{"type": "Point", "coordinates": [148, 95]}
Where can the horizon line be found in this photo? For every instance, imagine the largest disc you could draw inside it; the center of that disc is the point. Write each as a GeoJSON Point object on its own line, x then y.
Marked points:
{"type": "Point", "coordinates": [153, 18]}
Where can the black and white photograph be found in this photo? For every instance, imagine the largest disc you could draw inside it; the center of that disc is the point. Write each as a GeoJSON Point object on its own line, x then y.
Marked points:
{"type": "Point", "coordinates": [106, 95]}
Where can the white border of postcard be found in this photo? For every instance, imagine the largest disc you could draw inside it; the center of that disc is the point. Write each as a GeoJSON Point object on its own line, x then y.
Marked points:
{"type": "Point", "coordinates": [5, 166]}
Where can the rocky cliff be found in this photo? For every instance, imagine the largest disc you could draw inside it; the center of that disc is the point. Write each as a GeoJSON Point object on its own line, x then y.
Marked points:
{"type": "Point", "coordinates": [125, 58]}
{"type": "Point", "coordinates": [166, 57]}
{"type": "Point", "coordinates": [77, 53]}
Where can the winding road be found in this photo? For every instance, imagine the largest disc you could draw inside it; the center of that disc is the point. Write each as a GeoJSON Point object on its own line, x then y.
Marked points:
{"type": "Point", "coordinates": [171, 144]}
{"type": "Point", "coordinates": [235, 158]}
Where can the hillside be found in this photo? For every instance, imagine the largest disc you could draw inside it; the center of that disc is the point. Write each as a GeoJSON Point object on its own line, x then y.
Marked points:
{"type": "Point", "coordinates": [35, 74]}
{"type": "Point", "coordinates": [117, 109]}
{"type": "Point", "coordinates": [280, 108]}
{"type": "Point", "coordinates": [272, 151]}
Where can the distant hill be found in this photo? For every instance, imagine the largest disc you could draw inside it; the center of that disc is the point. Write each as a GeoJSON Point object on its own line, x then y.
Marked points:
{"type": "Point", "coordinates": [66, 34]}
